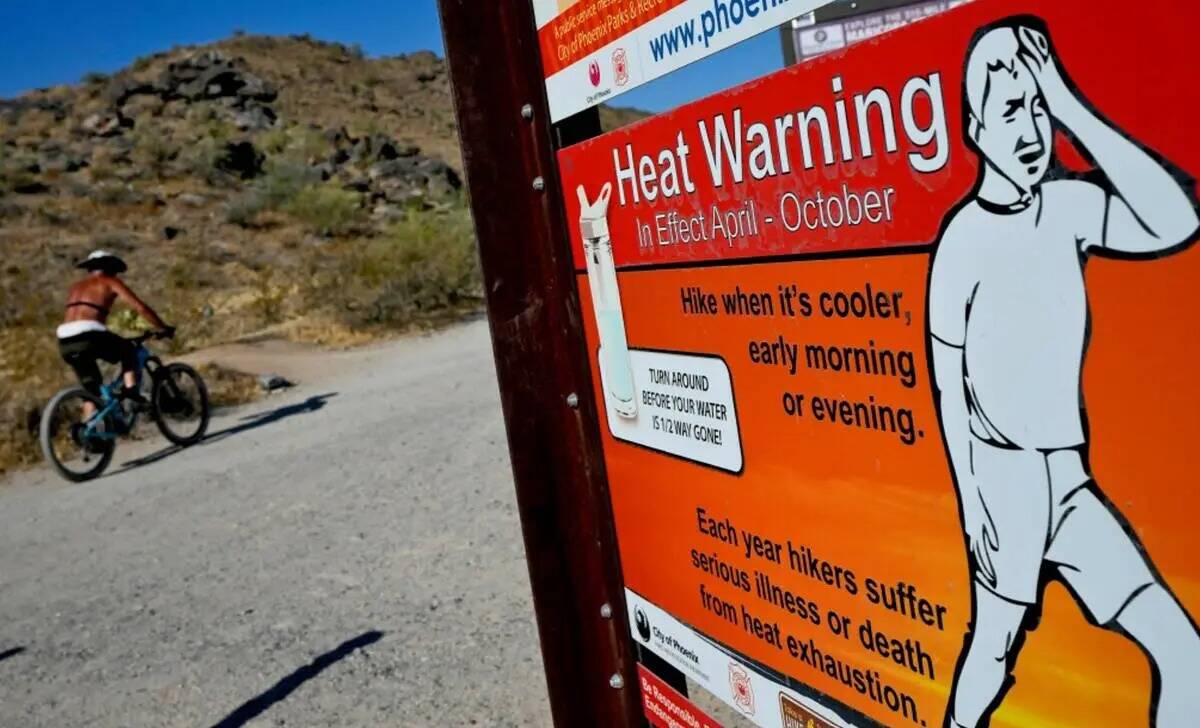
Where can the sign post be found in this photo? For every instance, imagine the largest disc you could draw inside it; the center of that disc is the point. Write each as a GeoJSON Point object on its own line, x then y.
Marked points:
{"type": "Point", "coordinates": [881, 365]}
{"type": "Point", "coordinates": [544, 374]}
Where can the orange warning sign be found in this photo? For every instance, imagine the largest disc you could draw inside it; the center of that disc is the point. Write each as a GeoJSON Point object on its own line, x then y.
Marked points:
{"type": "Point", "coordinates": [893, 350]}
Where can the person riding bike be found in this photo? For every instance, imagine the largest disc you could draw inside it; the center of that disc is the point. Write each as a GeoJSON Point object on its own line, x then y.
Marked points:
{"type": "Point", "coordinates": [84, 338]}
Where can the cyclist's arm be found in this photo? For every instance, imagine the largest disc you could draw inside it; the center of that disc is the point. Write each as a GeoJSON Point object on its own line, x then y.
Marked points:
{"type": "Point", "coordinates": [128, 296]}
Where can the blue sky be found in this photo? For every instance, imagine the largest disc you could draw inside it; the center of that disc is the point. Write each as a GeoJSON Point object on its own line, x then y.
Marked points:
{"type": "Point", "coordinates": [46, 42]}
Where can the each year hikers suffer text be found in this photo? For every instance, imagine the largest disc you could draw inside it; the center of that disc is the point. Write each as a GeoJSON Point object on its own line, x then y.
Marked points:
{"type": "Point", "coordinates": [739, 561]}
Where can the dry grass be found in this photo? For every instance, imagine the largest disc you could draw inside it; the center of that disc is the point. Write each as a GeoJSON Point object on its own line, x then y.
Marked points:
{"type": "Point", "coordinates": [228, 387]}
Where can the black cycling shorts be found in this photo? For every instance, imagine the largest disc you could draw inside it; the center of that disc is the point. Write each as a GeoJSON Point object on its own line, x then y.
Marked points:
{"type": "Point", "coordinates": [83, 350]}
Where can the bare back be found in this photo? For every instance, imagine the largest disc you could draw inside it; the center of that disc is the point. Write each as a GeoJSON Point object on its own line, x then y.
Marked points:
{"type": "Point", "coordinates": [92, 298]}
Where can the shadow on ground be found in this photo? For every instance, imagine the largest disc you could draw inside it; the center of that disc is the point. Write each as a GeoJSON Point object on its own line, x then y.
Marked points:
{"type": "Point", "coordinates": [257, 705]}
{"type": "Point", "coordinates": [249, 422]}
{"type": "Point", "coordinates": [11, 653]}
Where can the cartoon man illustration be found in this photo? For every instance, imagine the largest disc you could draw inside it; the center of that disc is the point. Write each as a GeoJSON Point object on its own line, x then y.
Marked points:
{"type": "Point", "coordinates": [1008, 322]}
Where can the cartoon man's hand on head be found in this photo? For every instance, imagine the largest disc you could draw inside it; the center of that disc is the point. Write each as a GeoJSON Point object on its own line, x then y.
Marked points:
{"type": "Point", "coordinates": [1038, 55]}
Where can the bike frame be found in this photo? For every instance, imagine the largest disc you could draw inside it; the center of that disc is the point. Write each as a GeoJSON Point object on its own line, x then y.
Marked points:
{"type": "Point", "coordinates": [112, 401]}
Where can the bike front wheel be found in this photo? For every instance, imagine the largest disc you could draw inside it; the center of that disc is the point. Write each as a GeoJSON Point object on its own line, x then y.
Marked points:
{"type": "Point", "coordinates": [179, 403]}
{"type": "Point", "coordinates": [75, 453]}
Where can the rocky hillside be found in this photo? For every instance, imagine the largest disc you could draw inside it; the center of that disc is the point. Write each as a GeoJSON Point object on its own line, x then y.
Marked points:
{"type": "Point", "coordinates": [230, 176]}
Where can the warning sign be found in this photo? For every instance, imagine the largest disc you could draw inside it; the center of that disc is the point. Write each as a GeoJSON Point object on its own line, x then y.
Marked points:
{"type": "Point", "coordinates": [893, 350]}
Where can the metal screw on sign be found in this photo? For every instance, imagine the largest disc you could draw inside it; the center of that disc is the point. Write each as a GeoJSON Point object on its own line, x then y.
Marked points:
{"type": "Point", "coordinates": [606, 611]}
{"type": "Point", "coordinates": [539, 184]}
{"type": "Point", "coordinates": [616, 682]}
{"type": "Point", "coordinates": [527, 111]}
{"type": "Point", "coordinates": [573, 403]}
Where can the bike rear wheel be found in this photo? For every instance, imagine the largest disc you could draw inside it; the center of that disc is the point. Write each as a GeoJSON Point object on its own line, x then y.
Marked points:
{"type": "Point", "coordinates": [179, 402]}
{"type": "Point", "coordinates": [76, 456]}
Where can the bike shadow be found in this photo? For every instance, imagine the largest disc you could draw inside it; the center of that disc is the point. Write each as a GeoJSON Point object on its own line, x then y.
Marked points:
{"type": "Point", "coordinates": [12, 652]}
{"type": "Point", "coordinates": [249, 422]}
{"type": "Point", "coordinates": [286, 685]}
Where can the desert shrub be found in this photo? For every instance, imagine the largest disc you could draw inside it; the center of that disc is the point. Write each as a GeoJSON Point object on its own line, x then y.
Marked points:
{"type": "Point", "coordinates": [15, 176]}
{"type": "Point", "coordinates": [228, 387]}
{"type": "Point", "coordinates": [10, 210]}
{"type": "Point", "coordinates": [19, 413]}
{"type": "Point", "coordinates": [243, 210]}
{"type": "Point", "coordinates": [116, 194]}
{"type": "Point", "coordinates": [102, 170]}
{"type": "Point", "coordinates": [181, 275]}
{"type": "Point", "coordinates": [153, 151]}
{"type": "Point", "coordinates": [274, 141]}
{"type": "Point", "coordinates": [283, 181]}
{"type": "Point", "coordinates": [269, 298]}
{"type": "Point", "coordinates": [95, 77]}
{"type": "Point", "coordinates": [32, 371]}
{"type": "Point", "coordinates": [424, 265]}
{"type": "Point", "coordinates": [51, 214]}
{"type": "Point", "coordinates": [306, 144]}
{"type": "Point", "coordinates": [210, 137]}
{"type": "Point", "coordinates": [327, 209]}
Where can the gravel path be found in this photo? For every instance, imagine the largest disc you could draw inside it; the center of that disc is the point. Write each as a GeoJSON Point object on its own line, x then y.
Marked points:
{"type": "Point", "coordinates": [346, 553]}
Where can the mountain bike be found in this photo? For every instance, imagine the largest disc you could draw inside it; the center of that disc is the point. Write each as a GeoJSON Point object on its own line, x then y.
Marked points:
{"type": "Point", "coordinates": [81, 445]}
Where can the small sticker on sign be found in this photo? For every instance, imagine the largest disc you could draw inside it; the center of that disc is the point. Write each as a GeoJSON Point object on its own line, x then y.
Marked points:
{"type": "Point", "coordinates": [796, 715]}
{"type": "Point", "coordinates": [666, 708]}
{"type": "Point", "coordinates": [684, 407]}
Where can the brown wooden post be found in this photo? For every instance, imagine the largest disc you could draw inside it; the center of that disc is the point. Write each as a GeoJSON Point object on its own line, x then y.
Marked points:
{"type": "Point", "coordinates": [541, 362]}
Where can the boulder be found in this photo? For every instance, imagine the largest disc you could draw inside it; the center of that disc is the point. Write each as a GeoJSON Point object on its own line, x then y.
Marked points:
{"type": "Point", "coordinates": [213, 75]}
{"type": "Point", "coordinates": [326, 170]}
{"type": "Point", "coordinates": [30, 187]}
{"type": "Point", "coordinates": [108, 122]}
{"type": "Point", "coordinates": [191, 199]}
{"type": "Point", "coordinates": [121, 90]}
{"type": "Point", "coordinates": [337, 137]}
{"type": "Point", "coordinates": [386, 212]}
{"type": "Point", "coordinates": [358, 184]}
{"type": "Point", "coordinates": [142, 105]}
{"type": "Point", "coordinates": [62, 162]}
{"type": "Point", "coordinates": [271, 382]}
{"type": "Point", "coordinates": [399, 168]}
{"type": "Point", "coordinates": [256, 89]}
{"type": "Point", "coordinates": [255, 118]}
{"type": "Point", "coordinates": [360, 151]}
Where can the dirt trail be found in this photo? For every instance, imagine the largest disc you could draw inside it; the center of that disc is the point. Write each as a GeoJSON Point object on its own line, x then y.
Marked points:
{"type": "Point", "coordinates": [346, 553]}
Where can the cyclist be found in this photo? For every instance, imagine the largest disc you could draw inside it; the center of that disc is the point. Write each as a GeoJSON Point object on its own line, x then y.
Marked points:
{"type": "Point", "coordinates": [83, 337]}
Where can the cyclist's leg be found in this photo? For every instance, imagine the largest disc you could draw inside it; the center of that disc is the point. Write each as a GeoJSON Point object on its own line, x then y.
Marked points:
{"type": "Point", "coordinates": [118, 350]}
{"type": "Point", "coordinates": [79, 352]}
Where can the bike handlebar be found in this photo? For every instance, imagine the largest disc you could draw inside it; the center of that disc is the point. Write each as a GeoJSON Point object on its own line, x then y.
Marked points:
{"type": "Point", "coordinates": [143, 338]}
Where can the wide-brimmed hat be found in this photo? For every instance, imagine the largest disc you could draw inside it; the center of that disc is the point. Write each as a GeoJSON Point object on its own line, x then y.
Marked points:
{"type": "Point", "coordinates": [103, 260]}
